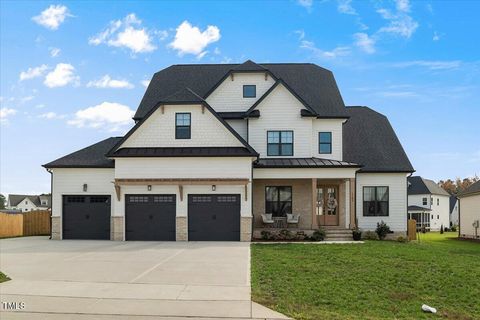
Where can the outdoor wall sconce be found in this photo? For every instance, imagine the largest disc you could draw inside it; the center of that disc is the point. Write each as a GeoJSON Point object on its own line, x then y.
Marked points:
{"type": "Point", "coordinates": [149, 188]}
{"type": "Point", "coordinates": [214, 187]}
{"type": "Point", "coordinates": [85, 187]}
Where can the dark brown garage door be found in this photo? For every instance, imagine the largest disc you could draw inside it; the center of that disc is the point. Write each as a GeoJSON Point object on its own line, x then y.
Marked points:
{"type": "Point", "coordinates": [86, 217]}
{"type": "Point", "coordinates": [214, 217]}
{"type": "Point", "coordinates": [150, 217]}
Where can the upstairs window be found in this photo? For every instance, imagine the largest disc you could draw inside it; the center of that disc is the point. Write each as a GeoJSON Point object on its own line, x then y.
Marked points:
{"type": "Point", "coordinates": [249, 91]}
{"type": "Point", "coordinates": [375, 201]}
{"type": "Point", "coordinates": [431, 201]}
{"type": "Point", "coordinates": [280, 143]}
{"type": "Point", "coordinates": [424, 201]}
{"type": "Point", "coordinates": [438, 201]}
{"type": "Point", "coordinates": [325, 142]}
{"type": "Point", "coordinates": [182, 125]}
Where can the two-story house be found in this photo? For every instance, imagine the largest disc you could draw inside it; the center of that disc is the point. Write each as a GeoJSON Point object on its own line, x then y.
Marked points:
{"type": "Point", "coordinates": [216, 148]}
{"type": "Point", "coordinates": [25, 203]}
{"type": "Point", "coordinates": [469, 213]}
{"type": "Point", "coordinates": [428, 204]}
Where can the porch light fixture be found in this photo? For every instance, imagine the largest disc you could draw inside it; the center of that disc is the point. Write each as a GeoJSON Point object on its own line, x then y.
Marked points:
{"type": "Point", "coordinates": [214, 187]}
{"type": "Point", "coordinates": [149, 187]}
{"type": "Point", "coordinates": [85, 187]}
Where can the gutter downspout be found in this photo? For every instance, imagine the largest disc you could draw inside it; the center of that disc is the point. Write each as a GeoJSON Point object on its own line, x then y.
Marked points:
{"type": "Point", "coordinates": [51, 199]}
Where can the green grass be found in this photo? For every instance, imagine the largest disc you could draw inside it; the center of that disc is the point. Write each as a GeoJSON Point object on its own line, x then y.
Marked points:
{"type": "Point", "coordinates": [3, 277]}
{"type": "Point", "coordinates": [375, 280]}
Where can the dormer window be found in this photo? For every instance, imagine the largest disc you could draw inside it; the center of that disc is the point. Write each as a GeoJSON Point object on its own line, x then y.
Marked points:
{"type": "Point", "coordinates": [183, 126]}
{"type": "Point", "coordinates": [249, 91]}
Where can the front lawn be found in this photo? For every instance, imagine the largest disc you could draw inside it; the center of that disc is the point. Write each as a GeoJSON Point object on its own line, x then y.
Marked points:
{"type": "Point", "coordinates": [3, 277]}
{"type": "Point", "coordinates": [375, 280]}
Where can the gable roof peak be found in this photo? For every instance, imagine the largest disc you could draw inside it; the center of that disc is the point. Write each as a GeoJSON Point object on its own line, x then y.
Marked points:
{"type": "Point", "coordinates": [249, 65]}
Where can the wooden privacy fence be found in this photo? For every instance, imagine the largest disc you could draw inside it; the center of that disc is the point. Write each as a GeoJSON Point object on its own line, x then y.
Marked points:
{"type": "Point", "coordinates": [412, 229]}
{"type": "Point", "coordinates": [32, 223]}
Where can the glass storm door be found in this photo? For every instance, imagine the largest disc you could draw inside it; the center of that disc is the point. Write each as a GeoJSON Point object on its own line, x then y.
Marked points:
{"type": "Point", "coordinates": [327, 205]}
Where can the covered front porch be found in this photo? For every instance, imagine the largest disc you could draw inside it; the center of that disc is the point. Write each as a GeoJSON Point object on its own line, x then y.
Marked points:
{"type": "Point", "coordinates": [303, 199]}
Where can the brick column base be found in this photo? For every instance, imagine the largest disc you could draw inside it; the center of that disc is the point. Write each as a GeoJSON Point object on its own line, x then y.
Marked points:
{"type": "Point", "coordinates": [181, 229]}
{"type": "Point", "coordinates": [56, 228]}
{"type": "Point", "coordinates": [246, 229]}
{"type": "Point", "coordinates": [116, 228]}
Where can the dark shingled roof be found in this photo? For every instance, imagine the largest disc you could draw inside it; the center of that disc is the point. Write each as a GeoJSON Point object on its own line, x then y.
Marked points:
{"type": "Point", "coordinates": [473, 189]}
{"type": "Point", "coordinates": [302, 163]}
{"type": "Point", "coordinates": [185, 152]}
{"type": "Point", "coordinates": [315, 85]}
{"type": "Point", "coordinates": [453, 201]}
{"type": "Point", "coordinates": [89, 157]}
{"type": "Point", "coordinates": [417, 208]}
{"type": "Point", "coordinates": [369, 139]}
{"type": "Point", "coordinates": [419, 185]}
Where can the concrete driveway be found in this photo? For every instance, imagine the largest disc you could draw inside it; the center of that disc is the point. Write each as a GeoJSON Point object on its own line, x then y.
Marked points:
{"type": "Point", "coordinates": [80, 279]}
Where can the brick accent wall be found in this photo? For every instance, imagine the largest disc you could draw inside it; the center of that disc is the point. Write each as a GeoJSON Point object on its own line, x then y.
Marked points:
{"type": "Point", "coordinates": [181, 229]}
{"type": "Point", "coordinates": [117, 228]}
{"type": "Point", "coordinates": [246, 229]}
{"type": "Point", "coordinates": [56, 228]}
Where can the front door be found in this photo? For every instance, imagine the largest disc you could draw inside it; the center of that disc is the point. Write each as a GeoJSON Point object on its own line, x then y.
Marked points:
{"type": "Point", "coordinates": [327, 205]}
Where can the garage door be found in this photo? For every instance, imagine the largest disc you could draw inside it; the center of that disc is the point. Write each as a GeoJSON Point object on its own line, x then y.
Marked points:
{"type": "Point", "coordinates": [86, 217]}
{"type": "Point", "coordinates": [150, 217]}
{"type": "Point", "coordinates": [214, 217]}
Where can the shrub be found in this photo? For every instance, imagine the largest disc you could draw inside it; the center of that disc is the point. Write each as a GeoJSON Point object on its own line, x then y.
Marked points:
{"type": "Point", "coordinates": [370, 235]}
{"type": "Point", "coordinates": [300, 235]}
{"type": "Point", "coordinates": [382, 230]}
{"type": "Point", "coordinates": [318, 235]}
{"type": "Point", "coordinates": [441, 229]}
{"type": "Point", "coordinates": [453, 228]}
{"type": "Point", "coordinates": [266, 235]}
{"type": "Point", "coordinates": [446, 229]}
{"type": "Point", "coordinates": [285, 234]}
{"type": "Point", "coordinates": [357, 234]}
{"type": "Point", "coordinates": [402, 239]}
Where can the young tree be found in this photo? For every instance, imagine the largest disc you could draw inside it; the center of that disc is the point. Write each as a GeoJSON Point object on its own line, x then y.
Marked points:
{"type": "Point", "coordinates": [3, 201]}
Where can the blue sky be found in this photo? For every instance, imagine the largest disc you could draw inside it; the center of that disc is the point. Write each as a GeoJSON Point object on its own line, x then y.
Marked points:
{"type": "Point", "coordinates": [72, 73]}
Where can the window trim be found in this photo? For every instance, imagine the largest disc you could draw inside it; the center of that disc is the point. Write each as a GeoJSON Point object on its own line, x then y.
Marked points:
{"type": "Point", "coordinates": [280, 144]}
{"type": "Point", "coordinates": [325, 143]}
{"type": "Point", "coordinates": [425, 201]}
{"type": "Point", "coordinates": [189, 126]}
{"type": "Point", "coordinates": [250, 85]}
{"type": "Point", "coordinates": [278, 198]}
{"type": "Point", "coordinates": [376, 201]}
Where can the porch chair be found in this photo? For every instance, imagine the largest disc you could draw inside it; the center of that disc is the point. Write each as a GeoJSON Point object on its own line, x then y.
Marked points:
{"type": "Point", "coordinates": [267, 220]}
{"type": "Point", "coordinates": [293, 219]}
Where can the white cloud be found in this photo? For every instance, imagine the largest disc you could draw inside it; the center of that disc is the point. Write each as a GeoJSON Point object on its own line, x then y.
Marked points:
{"type": "Point", "coordinates": [127, 33]}
{"type": "Point", "coordinates": [54, 52]}
{"type": "Point", "coordinates": [217, 51]}
{"type": "Point", "coordinates": [145, 83]}
{"type": "Point", "coordinates": [5, 113]}
{"type": "Point", "coordinates": [432, 65]}
{"type": "Point", "coordinates": [62, 75]}
{"type": "Point", "coordinates": [52, 17]}
{"type": "Point", "coordinates": [190, 40]}
{"type": "Point", "coordinates": [51, 115]}
{"type": "Point", "coordinates": [335, 53]}
{"type": "Point", "coordinates": [301, 34]}
{"type": "Point", "coordinates": [107, 82]}
{"type": "Point", "coordinates": [26, 99]}
{"type": "Point", "coordinates": [403, 5]}
{"type": "Point", "coordinates": [401, 24]}
{"type": "Point", "coordinates": [364, 42]}
{"type": "Point", "coordinates": [306, 4]}
{"type": "Point", "coordinates": [33, 72]}
{"type": "Point", "coordinates": [436, 36]}
{"type": "Point", "coordinates": [109, 115]}
{"type": "Point", "coordinates": [345, 7]}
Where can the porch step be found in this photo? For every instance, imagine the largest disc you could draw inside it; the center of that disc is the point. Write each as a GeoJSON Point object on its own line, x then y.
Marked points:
{"type": "Point", "coordinates": [338, 235]}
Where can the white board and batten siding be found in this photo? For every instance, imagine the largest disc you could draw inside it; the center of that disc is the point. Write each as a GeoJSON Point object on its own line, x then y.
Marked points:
{"type": "Point", "coordinates": [280, 110]}
{"type": "Point", "coordinates": [159, 130]}
{"type": "Point", "coordinates": [397, 185]}
{"type": "Point", "coordinates": [228, 96]}
{"type": "Point", "coordinates": [70, 181]}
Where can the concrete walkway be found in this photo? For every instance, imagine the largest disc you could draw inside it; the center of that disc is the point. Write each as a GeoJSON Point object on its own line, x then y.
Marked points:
{"type": "Point", "coordinates": [127, 280]}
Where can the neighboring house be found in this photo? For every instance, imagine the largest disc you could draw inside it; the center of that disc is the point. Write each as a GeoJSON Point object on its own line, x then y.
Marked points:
{"type": "Point", "coordinates": [428, 204]}
{"type": "Point", "coordinates": [215, 147]}
{"type": "Point", "coordinates": [24, 203]}
{"type": "Point", "coordinates": [469, 209]}
{"type": "Point", "coordinates": [453, 211]}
